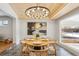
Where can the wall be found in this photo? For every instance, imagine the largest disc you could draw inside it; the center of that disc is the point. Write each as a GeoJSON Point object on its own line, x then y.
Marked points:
{"type": "Point", "coordinates": [6, 10]}
{"type": "Point", "coordinates": [50, 28]}
{"type": "Point", "coordinates": [7, 30]}
{"type": "Point", "coordinates": [57, 30]}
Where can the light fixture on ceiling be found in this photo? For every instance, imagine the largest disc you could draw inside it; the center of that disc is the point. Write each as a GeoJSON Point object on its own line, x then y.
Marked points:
{"type": "Point", "coordinates": [37, 12]}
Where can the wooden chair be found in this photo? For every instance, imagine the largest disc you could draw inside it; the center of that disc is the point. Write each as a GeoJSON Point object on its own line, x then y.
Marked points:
{"type": "Point", "coordinates": [24, 50]}
{"type": "Point", "coordinates": [38, 53]}
{"type": "Point", "coordinates": [52, 50]}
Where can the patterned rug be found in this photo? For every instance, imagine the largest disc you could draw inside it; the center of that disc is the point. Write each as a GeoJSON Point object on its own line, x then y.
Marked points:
{"type": "Point", "coordinates": [14, 51]}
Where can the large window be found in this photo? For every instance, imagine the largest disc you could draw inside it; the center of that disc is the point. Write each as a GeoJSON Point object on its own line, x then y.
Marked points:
{"type": "Point", "coordinates": [69, 31]}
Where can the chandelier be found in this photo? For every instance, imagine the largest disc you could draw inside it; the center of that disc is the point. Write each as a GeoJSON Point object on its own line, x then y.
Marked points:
{"type": "Point", "coordinates": [37, 12]}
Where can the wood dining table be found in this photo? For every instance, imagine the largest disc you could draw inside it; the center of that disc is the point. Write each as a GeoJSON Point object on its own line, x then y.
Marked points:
{"type": "Point", "coordinates": [37, 46]}
{"type": "Point", "coordinates": [35, 42]}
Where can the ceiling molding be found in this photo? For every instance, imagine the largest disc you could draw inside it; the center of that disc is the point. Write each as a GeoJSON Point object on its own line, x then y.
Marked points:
{"type": "Point", "coordinates": [68, 8]}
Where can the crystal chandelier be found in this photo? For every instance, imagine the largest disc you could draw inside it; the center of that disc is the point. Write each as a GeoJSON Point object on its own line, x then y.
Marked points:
{"type": "Point", "coordinates": [37, 12]}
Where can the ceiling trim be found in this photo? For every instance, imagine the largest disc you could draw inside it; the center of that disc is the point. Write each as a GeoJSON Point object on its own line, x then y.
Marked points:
{"type": "Point", "coordinates": [68, 8]}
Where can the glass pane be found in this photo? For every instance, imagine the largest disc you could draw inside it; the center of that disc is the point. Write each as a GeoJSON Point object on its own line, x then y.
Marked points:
{"type": "Point", "coordinates": [5, 22]}
{"type": "Point", "coordinates": [1, 23]}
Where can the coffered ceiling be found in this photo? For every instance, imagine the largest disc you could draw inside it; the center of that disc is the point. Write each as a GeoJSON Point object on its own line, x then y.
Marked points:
{"type": "Point", "coordinates": [20, 8]}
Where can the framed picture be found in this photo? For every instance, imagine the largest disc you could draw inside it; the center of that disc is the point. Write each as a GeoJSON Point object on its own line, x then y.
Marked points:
{"type": "Point", "coordinates": [37, 28]}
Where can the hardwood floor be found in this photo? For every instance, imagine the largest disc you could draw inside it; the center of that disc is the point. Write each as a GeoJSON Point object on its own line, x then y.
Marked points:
{"type": "Point", "coordinates": [4, 46]}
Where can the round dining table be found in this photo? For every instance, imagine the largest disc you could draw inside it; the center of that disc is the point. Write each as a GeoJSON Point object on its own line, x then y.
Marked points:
{"type": "Point", "coordinates": [35, 42]}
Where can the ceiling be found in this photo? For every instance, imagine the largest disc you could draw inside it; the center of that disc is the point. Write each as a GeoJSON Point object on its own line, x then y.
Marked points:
{"type": "Point", "coordinates": [56, 9]}
{"type": "Point", "coordinates": [20, 8]}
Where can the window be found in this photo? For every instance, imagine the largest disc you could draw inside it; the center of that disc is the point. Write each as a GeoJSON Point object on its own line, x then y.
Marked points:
{"type": "Point", "coordinates": [3, 22]}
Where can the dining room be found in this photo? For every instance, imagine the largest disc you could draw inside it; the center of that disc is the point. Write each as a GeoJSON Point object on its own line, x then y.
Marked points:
{"type": "Point", "coordinates": [39, 29]}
